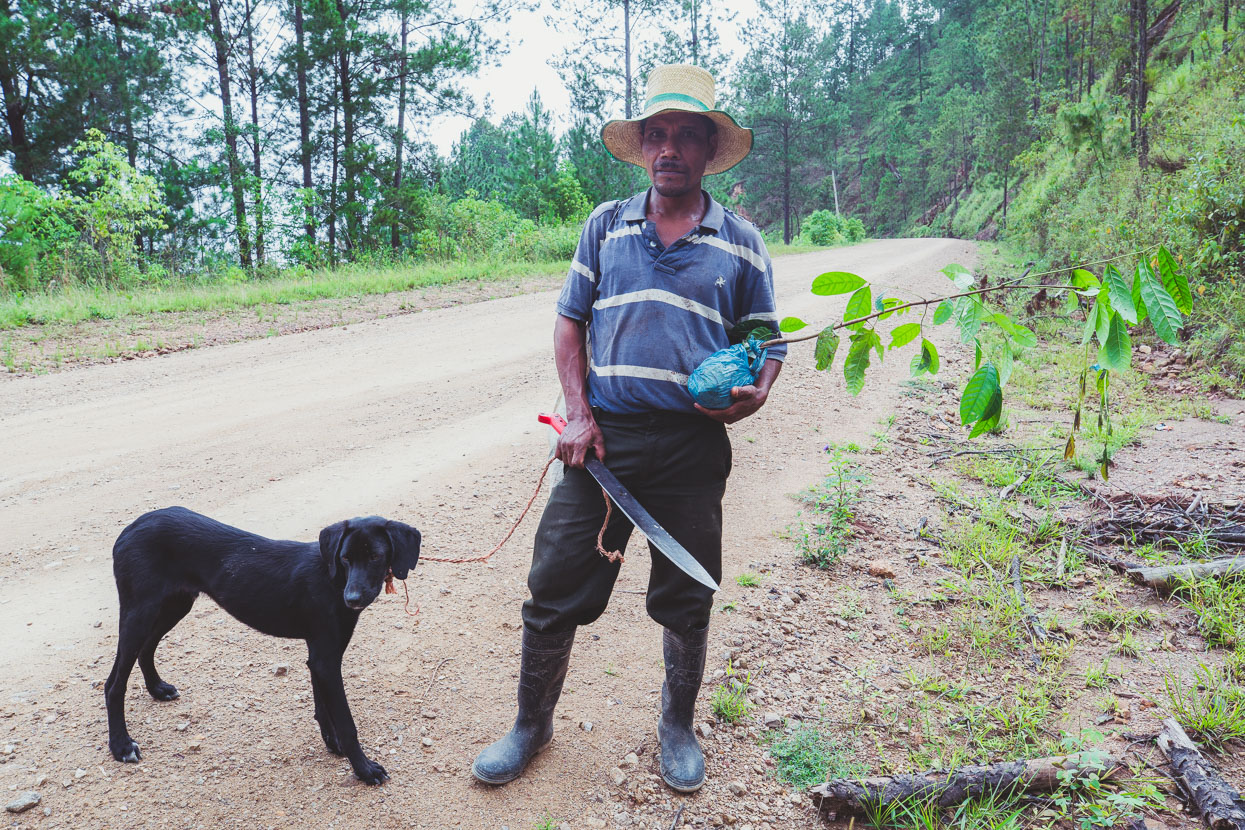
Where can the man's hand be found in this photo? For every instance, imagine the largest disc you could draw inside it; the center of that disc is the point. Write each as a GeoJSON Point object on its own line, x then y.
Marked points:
{"type": "Point", "coordinates": [746, 401]}
{"type": "Point", "coordinates": [578, 438]}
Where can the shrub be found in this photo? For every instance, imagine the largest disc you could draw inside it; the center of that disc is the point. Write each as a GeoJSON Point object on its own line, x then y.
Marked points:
{"type": "Point", "coordinates": [823, 227]}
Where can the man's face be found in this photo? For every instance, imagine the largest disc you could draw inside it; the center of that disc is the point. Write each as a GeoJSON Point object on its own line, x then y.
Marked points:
{"type": "Point", "coordinates": [676, 147]}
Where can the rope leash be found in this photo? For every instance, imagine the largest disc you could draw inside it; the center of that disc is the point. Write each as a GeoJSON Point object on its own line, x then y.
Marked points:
{"type": "Point", "coordinates": [611, 555]}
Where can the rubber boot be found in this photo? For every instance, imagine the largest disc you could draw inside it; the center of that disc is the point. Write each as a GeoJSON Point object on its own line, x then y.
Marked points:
{"type": "Point", "coordinates": [543, 669]}
{"type": "Point", "coordinates": [682, 762]}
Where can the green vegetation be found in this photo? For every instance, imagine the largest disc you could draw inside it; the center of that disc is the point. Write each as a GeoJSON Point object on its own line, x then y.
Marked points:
{"type": "Point", "coordinates": [729, 700]}
{"type": "Point", "coordinates": [1211, 708]}
{"type": "Point", "coordinates": [748, 579]}
{"type": "Point", "coordinates": [826, 531]}
{"type": "Point", "coordinates": [806, 755]}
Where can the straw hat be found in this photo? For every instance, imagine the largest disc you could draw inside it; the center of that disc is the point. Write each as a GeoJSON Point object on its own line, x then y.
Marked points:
{"type": "Point", "coordinates": [679, 88]}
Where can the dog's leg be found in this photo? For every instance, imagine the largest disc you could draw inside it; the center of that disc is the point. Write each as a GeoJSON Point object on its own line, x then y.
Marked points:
{"type": "Point", "coordinates": [174, 609]}
{"type": "Point", "coordinates": [135, 625]}
{"type": "Point", "coordinates": [322, 717]}
{"type": "Point", "coordinates": [325, 662]}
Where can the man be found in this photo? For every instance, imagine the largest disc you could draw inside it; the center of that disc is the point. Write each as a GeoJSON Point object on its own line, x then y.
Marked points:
{"type": "Point", "coordinates": [658, 282]}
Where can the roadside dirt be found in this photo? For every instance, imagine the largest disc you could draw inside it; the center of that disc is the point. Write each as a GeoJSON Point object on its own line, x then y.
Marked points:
{"type": "Point", "coordinates": [428, 417]}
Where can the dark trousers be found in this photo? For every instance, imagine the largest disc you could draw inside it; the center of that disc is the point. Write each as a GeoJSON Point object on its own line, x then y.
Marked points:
{"type": "Point", "coordinates": [675, 465]}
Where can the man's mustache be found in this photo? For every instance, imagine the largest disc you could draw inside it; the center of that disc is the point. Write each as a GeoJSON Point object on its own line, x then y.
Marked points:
{"type": "Point", "coordinates": [669, 168]}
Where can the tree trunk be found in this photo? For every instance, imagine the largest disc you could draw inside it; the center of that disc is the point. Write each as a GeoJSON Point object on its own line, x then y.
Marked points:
{"type": "Point", "coordinates": [333, 182]}
{"type": "Point", "coordinates": [304, 119]}
{"type": "Point", "coordinates": [786, 183]}
{"type": "Point", "coordinates": [1169, 578]}
{"type": "Point", "coordinates": [627, 51]}
{"type": "Point", "coordinates": [696, 41]}
{"type": "Point", "coordinates": [841, 797]}
{"type": "Point", "coordinates": [253, 78]}
{"type": "Point", "coordinates": [1220, 806]}
{"type": "Point", "coordinates": [231, 135]}
{"type": "Point", "coordinates": [920, 71]}
{"type": "Point", "coordinates": [122, 86]}
{"type": "Point", "coordinates": [1089, 77]}
{"type": "Point", "coordinates": [399, 137]}
{"type": "Point", "coordinates": [15, 111]}
{"type": "Point", "coordinates": [1143, 89]}
{"type": "Point", "coordinates": [1132, 90]}
{"type": "Point", "coordinates": [348, 161]}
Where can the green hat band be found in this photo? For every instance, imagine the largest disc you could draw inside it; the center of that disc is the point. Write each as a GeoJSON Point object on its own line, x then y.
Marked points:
{"type": "Point", "coordinates": [677, 96]}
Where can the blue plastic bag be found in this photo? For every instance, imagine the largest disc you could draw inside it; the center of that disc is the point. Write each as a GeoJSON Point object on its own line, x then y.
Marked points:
{"type": "Point", "coordinates": [712, 381]}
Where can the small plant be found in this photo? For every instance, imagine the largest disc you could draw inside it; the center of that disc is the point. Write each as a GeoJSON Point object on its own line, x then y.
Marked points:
{"type": "Point", "coordinates": [1129, 645]}
{"type": "Point", "coordinates": [1211, 708]}
{"type": "Point", "coordinates": [806, 755]}
{"type": "Point", "coordinates": [728, 607]}
{"type": "Point", "coordinates": [1119, 618]}
{"type": "Point", "coordinates": [748, 579]}
{"type": "Point", "coordinates": [1100, 676]}
{"type": "Point", "coordinates": [548, 822]}
{"type": "Point", "coordinates": [729, 702]}
{"type": "Point", "coordinates": [829, 533]}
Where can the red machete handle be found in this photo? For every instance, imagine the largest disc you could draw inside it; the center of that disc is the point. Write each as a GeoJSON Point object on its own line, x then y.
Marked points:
{"type": "Point", "coordinates": [554, 420]}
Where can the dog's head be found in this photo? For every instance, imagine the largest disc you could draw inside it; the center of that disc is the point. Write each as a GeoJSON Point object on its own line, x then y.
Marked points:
{"type": "Point", "coordinates": [366, 550]}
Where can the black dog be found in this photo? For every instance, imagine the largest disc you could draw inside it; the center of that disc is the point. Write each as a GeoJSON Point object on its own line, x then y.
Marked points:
{"type": "Point", "coordinates": [301, 590]}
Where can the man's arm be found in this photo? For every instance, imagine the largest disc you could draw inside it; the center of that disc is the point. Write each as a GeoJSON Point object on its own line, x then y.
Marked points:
{"type": "Point", "coordinates": [570, 353]}
{"type": "Point", "coordinates": [747, 399]}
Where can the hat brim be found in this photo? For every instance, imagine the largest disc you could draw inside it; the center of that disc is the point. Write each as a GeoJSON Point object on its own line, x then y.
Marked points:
{"type": "Point", "coordinates": [622, 139]}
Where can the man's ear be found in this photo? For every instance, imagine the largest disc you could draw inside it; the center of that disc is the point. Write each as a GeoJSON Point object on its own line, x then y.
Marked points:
{"type": "Point", "coordinates": [331, 545]}
{"type": "Point", "coordinates": [404, 540]}
{"type": "Point", "coordinates": [712, 148]}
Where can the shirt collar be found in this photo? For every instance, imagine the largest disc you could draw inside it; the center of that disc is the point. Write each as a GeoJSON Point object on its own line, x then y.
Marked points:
{"type": "Point", "coordinates": [636, 210]}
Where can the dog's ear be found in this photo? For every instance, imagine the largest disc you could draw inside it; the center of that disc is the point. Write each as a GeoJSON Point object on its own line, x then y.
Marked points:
{"type": "Point", "coordinates": [331, 545]}
{"type": "Point", "coordinates": [404, 540]}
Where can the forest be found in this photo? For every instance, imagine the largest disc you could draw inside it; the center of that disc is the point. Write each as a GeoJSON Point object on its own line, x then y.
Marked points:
{"type": "Point", "coordinates": [230, 140]}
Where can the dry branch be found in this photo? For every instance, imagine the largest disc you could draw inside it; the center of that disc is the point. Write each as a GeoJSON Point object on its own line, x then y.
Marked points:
{"type": "Point", "coordinates": [1170, 577]}
{"type": "Point", "coordinates": [845, 796]}
{"type": "Point", "coordinates": [1138, 520]}
{"type": "Point", "coordinates": [1220, 806]}
{"type": "Point", "coordinates": [1036, 630]}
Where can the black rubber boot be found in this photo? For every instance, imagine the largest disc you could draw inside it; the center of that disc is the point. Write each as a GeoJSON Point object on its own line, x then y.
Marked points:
{"type": "Point", "coordinates": [682, 762]}
{"type": "Point", "coordinates": [545, 658]}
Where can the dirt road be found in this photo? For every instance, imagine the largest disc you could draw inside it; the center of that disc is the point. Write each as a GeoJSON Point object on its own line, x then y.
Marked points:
{"type": "Point", "coordinates": [427, 418]}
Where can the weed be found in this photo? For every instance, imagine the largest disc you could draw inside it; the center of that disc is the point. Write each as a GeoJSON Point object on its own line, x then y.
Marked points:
{"type": "Point", "coordinates": [748, 579]}
{"type": "Point", "coordinates": [1211, 708]}
{"type": "Point", "coordinates": [829, 534]}
{"type": "Point", "coordinates": [1220, 609]}
{"type": "Point", "coordinates": [1119, 618]}
{"type": "Point", "coordinates": [729, 702]}
{"type": "Point", "coordinates": [807, 755]}
{"type": "Point", "coordinates": [1129, 645]}
{"type": "Point", "coordinates": [1100, 676]}
{"type": "Point", "coordinates": [548, 822]}
{"type": "Point", "coordinates": [728, 607]}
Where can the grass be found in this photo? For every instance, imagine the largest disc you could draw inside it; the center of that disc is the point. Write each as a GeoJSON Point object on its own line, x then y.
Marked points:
{"type": "Point", "coordinates": [78, 303]}
{"type": "Point", "coordinates": [729, 701]}
{"type": "Point", "coordinates": [808, 755]}
{"type": "Point", "coordinates": [827, 532]}
{"type": "Point", "coordinates": [1211, 708]}
{"type": "Point", "coordinates": [748, 579]}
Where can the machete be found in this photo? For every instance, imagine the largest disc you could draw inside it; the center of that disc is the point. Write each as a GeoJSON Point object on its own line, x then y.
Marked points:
{"type": "Point", "coordinates": [634, 511]}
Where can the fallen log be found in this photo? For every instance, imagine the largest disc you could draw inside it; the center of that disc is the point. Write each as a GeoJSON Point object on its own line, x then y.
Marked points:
{"type": "Point", "coordinates": [1220, 806]}
{"type": "Point", "coordinates": [843, 797]}
{"type": "Point", "coordinates": [1168, 578]}
{"type": "Point", "coordinates": [1036, 630]}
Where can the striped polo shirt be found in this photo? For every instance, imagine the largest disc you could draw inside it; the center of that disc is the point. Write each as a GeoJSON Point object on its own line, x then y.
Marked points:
{"type": "Point", "coordinates": [653, 313]}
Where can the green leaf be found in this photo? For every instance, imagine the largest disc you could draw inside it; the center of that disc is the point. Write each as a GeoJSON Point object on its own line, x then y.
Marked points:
{"type": "Point", "coordinates": [943, 313]}
{"type": "Point", "coordinates": [978, 393]}
{"type": "Point", "coordinates": [976, 354]}
{"type": "Point", "coordinates": [970, 314]}
{"type": "Point", "coordinates": [1071, 302]}
{"type": "Point", "coordinates": [858, 305]}
{"type": "Point", "coordinates": [1116, 352]}
{"type": "Point", "coordinates": [1174, 281]}
{"type": "Point", "coordinates": [905, 334]}
{"type": "Point", "coordinates": [1102, 324]}
{"type": "Point", "coordinates": [1094, 322]}
{"type": "Point", "coordinates": [1083, 279]}
{"type": "Point", "coordinates": [827, 345]}
{"type": "Point", "coordinates": [990, 418]}
{"type": "Point", "coordinates": [885, 304]}
{"type": "Point", "coordinates": [857, 361]}
{"type": "Point", "coordinates": [1023, 337]}
{"type": "Point", "coordinates": [926, 360]}
{"type": "Point", "coordinates": [1006, 363]}
{"type": "Point", "coordinates": [790, 324]}
{"type": "Point", "coordinates": [1121, 294]}
{"type": "Point", "coordinates": [877, 344]}
{"type": "Point", "coordinates": [750, 330]}
{"type": "Point", "coordinates": [836, 282]}
{"type": "Point", "coordinates": [961, 276]}
{"type": "Point", "coordinates": [1164, 315]}
{"type": "Point", "coordinates": [1138, 303]}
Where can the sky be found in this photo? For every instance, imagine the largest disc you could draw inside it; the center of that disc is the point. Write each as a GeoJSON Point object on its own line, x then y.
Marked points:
{"type": "Point", "coordinates": [533, 44]}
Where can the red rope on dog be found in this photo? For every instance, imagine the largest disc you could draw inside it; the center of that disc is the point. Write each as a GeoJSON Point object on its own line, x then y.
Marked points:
{"type": "Point", "coordinates": [389, 589]}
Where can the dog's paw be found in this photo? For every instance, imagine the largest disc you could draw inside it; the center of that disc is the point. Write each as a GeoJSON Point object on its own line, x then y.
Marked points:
{"type": "Point", "coordinates": [164, 691]}
{"type": "Point", "coordinates": [125, 750]}
{"type": "Point", "coordinates": [370, 772]}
